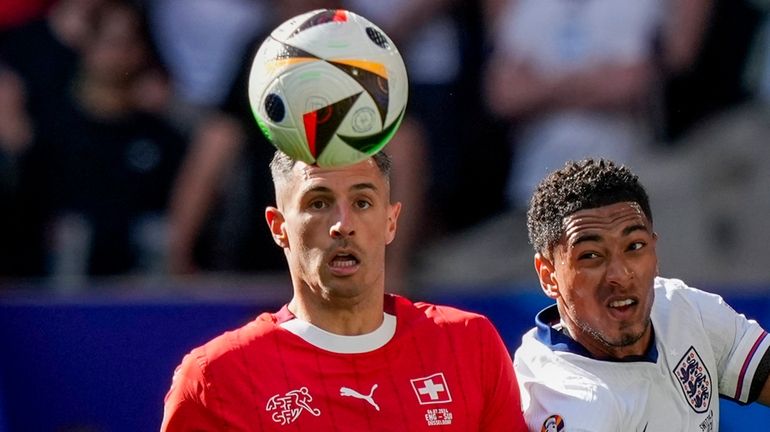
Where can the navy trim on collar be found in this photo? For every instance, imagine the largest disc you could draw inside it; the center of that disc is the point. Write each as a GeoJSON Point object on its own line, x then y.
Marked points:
{"type": "Point", "coordinates": [557, 340]}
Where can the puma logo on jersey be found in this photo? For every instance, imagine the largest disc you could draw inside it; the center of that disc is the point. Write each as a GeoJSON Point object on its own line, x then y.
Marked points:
{"type": "Point", "coordinates": [345, 391]}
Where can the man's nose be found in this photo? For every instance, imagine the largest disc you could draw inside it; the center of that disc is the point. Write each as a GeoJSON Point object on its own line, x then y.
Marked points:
{"type": "Point", "coordinates": [343, 223]}
{"type": "Point", "coordinates": [618, 270]}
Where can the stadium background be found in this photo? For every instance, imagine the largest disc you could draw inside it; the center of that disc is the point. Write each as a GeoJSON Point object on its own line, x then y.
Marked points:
{"type": "Point", "coordinates": [96, 355]}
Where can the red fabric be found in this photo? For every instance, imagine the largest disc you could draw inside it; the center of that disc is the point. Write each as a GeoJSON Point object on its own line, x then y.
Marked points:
{"type": "Point", "coordinates": [260, 376]}
{"type": "Point", "coordinates": [310, 121]}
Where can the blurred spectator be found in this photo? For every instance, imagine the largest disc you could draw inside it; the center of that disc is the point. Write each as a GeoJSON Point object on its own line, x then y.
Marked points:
{"type": "Point", "coordinates": [712, 80]}
{"type": "Point", "coordinates": [217, 208]}
{"type": "Point", "coordinates": [41, 56]}
{"type": "Point", "coordinates": [108, 164]}
{"type": "Point", "coordinates": [44, 52]}
{"type": "Point", "coordinates": [576, 77]}
{"type": "Point", "coordinates": [200, 41]}
{"type": "Point", "coordinates": [218, 201]}
{"type": "Point", "coordinates": [15, 125]}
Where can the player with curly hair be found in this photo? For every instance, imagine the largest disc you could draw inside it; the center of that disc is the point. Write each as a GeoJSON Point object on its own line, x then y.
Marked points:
{"type": "Point", "coordinates": [623, 349]}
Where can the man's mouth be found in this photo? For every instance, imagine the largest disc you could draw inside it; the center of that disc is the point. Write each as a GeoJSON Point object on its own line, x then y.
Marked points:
{"type": "Point", "coordinates": [343, 260]}
{"type": "Point", "coordinates": [622, 305]}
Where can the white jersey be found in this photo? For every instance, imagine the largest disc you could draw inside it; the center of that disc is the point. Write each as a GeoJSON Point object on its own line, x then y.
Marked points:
{"type": "Point", "coordinates": [703, 349]}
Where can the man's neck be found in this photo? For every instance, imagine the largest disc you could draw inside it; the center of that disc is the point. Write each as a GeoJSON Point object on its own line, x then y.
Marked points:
{"type": "Point", "coordinates": [351, 317]}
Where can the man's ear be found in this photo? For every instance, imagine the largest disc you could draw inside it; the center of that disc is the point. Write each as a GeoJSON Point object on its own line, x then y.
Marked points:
{"type": "Point", "coordinates": [393, 212]}
{"type": "Point", "coordinates": [275, 221]}
{"type": "Point", "coordinates": [546, 273]}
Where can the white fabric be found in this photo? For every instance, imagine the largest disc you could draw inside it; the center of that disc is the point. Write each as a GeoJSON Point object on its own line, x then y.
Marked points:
{"type": "Point", "coordinates": [341, 344]}
{"type": "Point", "coordinates": [594, 395]}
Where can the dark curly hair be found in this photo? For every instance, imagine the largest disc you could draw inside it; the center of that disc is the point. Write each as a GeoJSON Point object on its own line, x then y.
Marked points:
{"type": "Point", "coordinates": [577, 186]}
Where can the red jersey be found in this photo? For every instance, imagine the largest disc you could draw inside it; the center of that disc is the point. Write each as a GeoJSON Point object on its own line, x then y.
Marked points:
{"type": "Point", "coordinates": [427, 368]}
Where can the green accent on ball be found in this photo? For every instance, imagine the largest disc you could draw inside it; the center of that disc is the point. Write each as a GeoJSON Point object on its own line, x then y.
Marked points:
{"type": "Point", "coordinates": [305, 75]}
{"type": "Point", "coordinates": [373, 143]}
{"type": "Point", "coordinates": [263, 127]}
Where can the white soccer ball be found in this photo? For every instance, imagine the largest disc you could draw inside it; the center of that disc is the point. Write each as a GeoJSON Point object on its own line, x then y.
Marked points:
{"type": "Point", "coordinates": [328, 87]}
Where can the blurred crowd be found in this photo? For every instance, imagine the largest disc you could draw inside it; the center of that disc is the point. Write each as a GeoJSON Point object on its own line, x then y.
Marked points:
{"type": "Point", "coordinates": [128, 148]}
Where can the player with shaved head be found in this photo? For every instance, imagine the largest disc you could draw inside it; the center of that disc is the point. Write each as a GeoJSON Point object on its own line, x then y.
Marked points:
{"type": "Point", "coordinates": [342, 355]}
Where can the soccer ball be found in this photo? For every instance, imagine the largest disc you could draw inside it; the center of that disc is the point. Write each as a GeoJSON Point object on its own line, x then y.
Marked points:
{"type": "Point", "coordinates": [328, 87]}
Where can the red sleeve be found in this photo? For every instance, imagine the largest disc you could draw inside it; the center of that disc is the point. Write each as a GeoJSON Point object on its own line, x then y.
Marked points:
{"type": "Point", "coordinates": [185, 407]}
{"type": "Point", "coordinates": [503, 407]}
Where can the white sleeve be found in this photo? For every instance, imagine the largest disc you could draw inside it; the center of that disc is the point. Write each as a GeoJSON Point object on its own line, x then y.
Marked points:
{"type": "Point", "coordinates": [740, 346]}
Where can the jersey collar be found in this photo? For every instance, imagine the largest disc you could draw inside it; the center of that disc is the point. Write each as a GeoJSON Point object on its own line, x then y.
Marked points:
{"type": "Point", "coordinates": [340, 344]}
{"type": "Point", "coordinates": [548, 332]}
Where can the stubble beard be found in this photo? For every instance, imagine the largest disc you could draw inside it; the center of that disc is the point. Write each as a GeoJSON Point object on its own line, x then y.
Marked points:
{"type": "Point", "coordinates": [625, 340]}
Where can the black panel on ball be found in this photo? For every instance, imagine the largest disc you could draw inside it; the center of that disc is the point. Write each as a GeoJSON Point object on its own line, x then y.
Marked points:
{"type": "Point", "coordinates": [275, 108]}
{"type": "Point", "coordinates": [377, 37]}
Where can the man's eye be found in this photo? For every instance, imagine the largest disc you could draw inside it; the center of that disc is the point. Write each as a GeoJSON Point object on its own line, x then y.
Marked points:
{"type": "Point", "coordinates": [362, 204]}
{"type": "Point", "coordinates": [588, 255]}
{"type": "Point", "coordinates": [636, 246]}
{"type": "Point", "coordinates": [317, 204]}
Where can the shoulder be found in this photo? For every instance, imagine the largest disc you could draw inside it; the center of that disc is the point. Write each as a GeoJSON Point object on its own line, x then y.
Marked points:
{"type": "Point", "coordinates": [215, 377]}
{"type": "Point", "coordinates": [563, 371]}
{"type": "Point", "coordinates": [676, 288]}
{"type": "Point", "coordinates": [582, 400]}
{"type": "Point", "coordinates": [448, 318]}
{"type": "Point", "coordinates": [222, 359]}
{"type": "Point", "coordinates": [439, 314]}
{"type": "Point", "coordinates": [225, 350]}
{"type": "Point", "coordinates": [445, 323]}
{"type": "Point", "coordinates": [673, 293]}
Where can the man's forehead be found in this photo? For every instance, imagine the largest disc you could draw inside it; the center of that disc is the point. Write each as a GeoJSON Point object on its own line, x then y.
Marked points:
{"type": "Point", "coordinates": [362, 175]}
{"type": "Point", "coordinates": [364, 168]}
{"type": "Point", "coordinates": [605, 217]}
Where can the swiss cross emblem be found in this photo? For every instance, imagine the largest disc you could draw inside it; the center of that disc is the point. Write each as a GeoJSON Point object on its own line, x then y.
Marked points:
{"type": "Point", "coordinates": [432, 389]}
{"type": "Point", "coordinates": [695, 380]}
